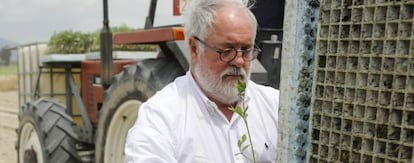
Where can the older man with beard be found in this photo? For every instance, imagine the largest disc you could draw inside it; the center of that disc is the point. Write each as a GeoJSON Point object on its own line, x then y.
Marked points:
{"type": "Point", "coordinates": [189, 120]}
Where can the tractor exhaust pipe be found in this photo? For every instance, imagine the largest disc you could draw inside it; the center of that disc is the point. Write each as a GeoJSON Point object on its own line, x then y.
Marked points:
{"type": "Point", "coordinates": [149, 22]}
{"type": "Point", "coordinates": [106, 48]}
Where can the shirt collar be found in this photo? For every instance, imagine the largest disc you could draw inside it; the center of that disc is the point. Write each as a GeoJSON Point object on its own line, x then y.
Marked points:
{"type": "Point", "coordinates": [210, 105]}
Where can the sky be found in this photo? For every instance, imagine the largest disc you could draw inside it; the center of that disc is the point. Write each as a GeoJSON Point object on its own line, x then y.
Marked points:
{"type": "Point", "coordinates": [29, 21]}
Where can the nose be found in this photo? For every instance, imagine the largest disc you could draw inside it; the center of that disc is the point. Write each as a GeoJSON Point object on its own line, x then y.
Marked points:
{"type": "Point", "coordinates": [238, 61]}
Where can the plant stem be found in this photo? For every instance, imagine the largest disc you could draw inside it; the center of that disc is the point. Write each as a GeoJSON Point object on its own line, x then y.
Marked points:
{"type": "Point", "coordinates": [250, 139]}
{"type": "Point", "coordinates": [242, 111]}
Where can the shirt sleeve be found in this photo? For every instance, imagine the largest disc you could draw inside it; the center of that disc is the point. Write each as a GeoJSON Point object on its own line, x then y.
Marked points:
{"type": "Point", "coordinates": [150, 140]}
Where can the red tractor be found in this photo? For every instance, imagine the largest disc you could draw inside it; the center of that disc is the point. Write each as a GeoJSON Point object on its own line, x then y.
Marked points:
{"type": "Point", "coordinates": [80, 108]}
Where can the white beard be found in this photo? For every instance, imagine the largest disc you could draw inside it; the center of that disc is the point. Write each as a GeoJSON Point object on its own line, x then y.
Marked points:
{"type": "Point", "coordinates": [223, 91]}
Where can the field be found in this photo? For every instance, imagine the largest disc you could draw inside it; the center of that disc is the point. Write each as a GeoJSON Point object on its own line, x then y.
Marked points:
{"type": "Point", "coordinates": [8, 113]}
{"type": "Point", "coordinates": [8, 125]}
{"type": "Point", "coordinates": [8, 75]}
{"type": "Point", "coordinates": [8, 70]}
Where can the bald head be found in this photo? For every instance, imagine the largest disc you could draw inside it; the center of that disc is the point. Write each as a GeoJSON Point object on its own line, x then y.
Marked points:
{"type": "Point", "coordinates": [232, 20]}
{"type": "Point", "coordinates": [202, 14]}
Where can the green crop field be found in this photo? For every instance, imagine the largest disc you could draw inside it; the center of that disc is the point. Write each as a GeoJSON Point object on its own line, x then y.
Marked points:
{"type": "Point", "coordinates": [8, 78]}
{"type": "Point", "coordinates": [8, 70]}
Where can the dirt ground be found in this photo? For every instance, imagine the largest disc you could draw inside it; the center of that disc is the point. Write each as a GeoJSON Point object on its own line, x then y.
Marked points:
{"type": "Point", "coordinates": [8, 125]}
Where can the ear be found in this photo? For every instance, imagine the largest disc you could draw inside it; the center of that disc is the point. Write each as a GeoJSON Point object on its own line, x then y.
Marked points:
{"type": "Point", "coordinates": [193, 46]}
{"type": "Point", "coordinates": [194, 51]}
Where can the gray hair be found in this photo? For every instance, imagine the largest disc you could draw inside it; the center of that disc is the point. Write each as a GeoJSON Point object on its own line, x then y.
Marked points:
{"type": "Point", "coordinates": [200, 16]}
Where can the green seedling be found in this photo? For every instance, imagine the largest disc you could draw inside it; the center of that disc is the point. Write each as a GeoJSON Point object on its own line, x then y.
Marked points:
{"type": "Point", "coordinates": [241, 110]}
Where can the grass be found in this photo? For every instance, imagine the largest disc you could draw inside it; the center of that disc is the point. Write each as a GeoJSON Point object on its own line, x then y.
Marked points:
{"type": "Point", "coordinates": [8, 78]}
{"type": "Point", "coordinates": [8, 70]}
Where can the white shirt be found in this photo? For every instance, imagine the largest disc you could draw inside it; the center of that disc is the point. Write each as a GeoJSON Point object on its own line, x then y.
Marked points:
{"type": "Point", "coordinates": [179, 124]}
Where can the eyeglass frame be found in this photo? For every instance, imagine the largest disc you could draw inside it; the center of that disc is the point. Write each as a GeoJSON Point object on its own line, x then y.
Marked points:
{"type": "Point", "coordinates": [254, 51]}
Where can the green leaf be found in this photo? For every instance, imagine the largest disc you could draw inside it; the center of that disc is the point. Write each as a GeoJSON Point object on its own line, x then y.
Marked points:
{"type": "Point", "coordinates": [243, 138]}
{"type": "Point", "coordinates": [237, 110]}
{"type": "Point", "coordinates": [232, 109]}
{"type": "Point", "coordinates": [245, 110]}
{"type": "Point", "coordinates": [245, 147]}
{"type": "Point", "coordinates": [241, 87]}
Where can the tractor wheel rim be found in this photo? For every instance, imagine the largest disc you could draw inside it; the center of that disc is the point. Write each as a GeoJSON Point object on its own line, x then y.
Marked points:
{"type": "Point", "coordinates": [30, 148]}
{"type": "Point", "coordinates": [121, 122]}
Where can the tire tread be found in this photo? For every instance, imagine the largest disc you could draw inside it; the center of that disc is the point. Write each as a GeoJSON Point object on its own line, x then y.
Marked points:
{"type": "Point", "coordinates": [55, 130]}
{"type": "Point", "coordinates": [139, 81]}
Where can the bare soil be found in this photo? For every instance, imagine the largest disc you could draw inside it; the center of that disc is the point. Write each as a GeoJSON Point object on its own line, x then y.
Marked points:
{"type": "Point", "coordinates": [8, 126]}
{"type": "Point", "coordinates": [8, 83]}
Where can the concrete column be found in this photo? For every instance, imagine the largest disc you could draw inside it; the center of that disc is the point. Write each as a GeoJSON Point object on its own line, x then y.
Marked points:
{"type": "Point", "coordinates": [296, 79]}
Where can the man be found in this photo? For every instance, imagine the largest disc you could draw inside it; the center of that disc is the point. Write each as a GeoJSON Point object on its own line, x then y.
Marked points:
{"type": "Point", "coordinates": [189, 120]}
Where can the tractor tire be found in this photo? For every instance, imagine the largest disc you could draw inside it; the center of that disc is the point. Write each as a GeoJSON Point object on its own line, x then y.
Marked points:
{"type": "Point", "coordinates": [123, 98]}
{"type": "Point", "coordinates": [45, 134]}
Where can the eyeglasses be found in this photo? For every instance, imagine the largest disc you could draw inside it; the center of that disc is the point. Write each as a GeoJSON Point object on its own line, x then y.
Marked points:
{"type": "Point", "coordinates": [228, 54]}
